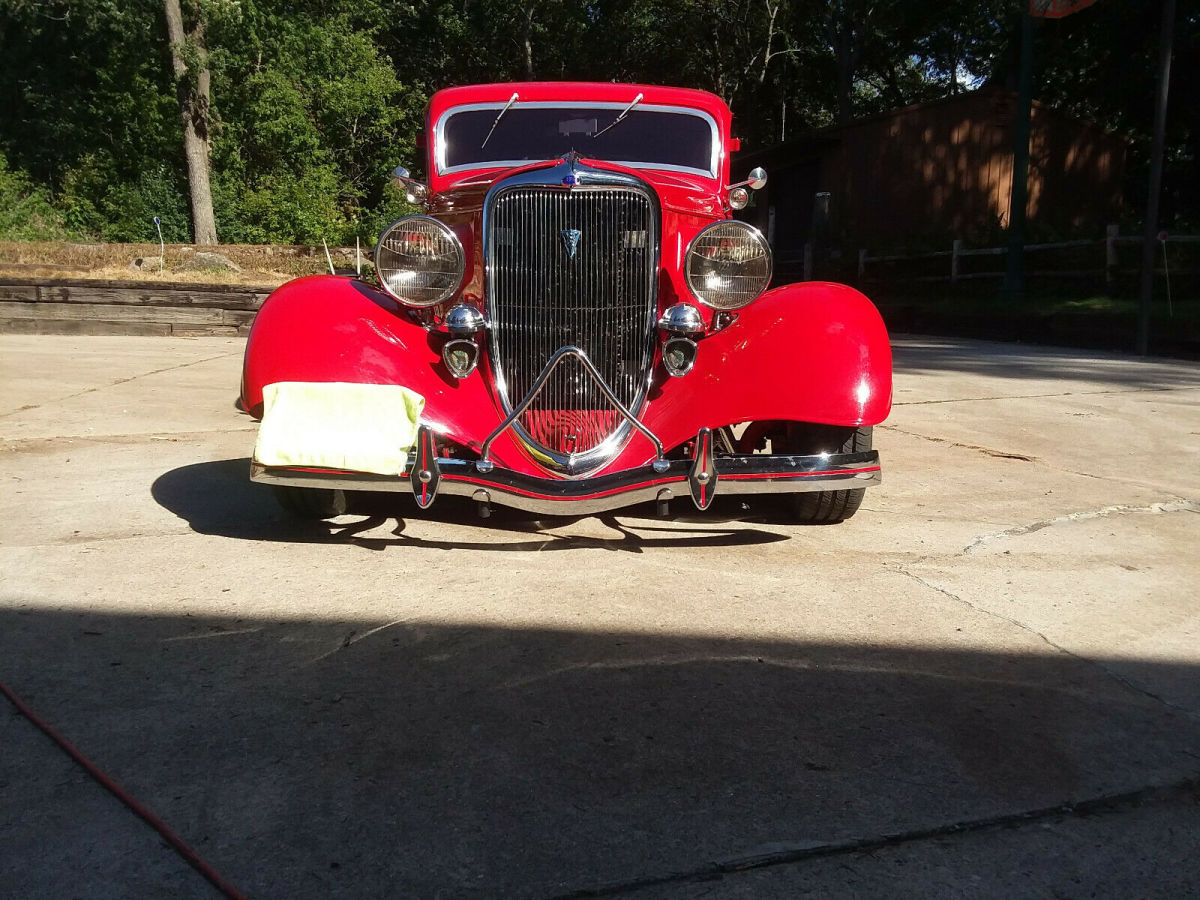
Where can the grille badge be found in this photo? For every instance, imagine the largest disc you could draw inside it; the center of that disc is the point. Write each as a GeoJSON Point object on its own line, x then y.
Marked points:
{"type": "Point", "coordinates": [570, 238]}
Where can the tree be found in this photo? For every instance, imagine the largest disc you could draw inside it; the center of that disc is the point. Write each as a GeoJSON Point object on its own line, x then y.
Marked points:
{"type": "Point", "coordinates": [189, 59]}
{"type": "Point", "coordinates": [1101, 64]}
{"type": "Point", "coordinates": [317, 100]}
{"type": "Point", "coordinates": [313, 118]}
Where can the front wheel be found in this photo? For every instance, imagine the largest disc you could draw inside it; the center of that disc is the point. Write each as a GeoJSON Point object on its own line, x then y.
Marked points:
{"type": "Point", "coordinates": [825, 507]}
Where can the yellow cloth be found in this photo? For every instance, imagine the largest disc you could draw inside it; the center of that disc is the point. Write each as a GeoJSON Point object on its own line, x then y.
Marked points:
{"type": "Point", "coordinates": [355, 427]}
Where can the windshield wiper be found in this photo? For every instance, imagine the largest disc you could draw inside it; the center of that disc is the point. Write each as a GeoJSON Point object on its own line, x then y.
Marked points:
{"type": "Point", "coordinates": [626, 111]}
{"type": "Point", "coordinates": [507, 107]}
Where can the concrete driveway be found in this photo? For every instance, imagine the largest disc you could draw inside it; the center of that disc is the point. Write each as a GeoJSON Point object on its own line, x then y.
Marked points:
{"type": "Point", "coordinates": [986, 683]}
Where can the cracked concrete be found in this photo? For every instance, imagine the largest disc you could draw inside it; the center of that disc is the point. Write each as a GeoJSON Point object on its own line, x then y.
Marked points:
{"type": "Point", "coordinates": [1153, 509]}
{"type": "Point", "coordinates": [434, 705]}
{"type": "Point", "coordinates": [1154, 830]}
{"type": "Point", "coordinates": [785, 854]}
{"type": "Point", "coordinates": [1132, 390]}
{"type": "Point", "coordinates": [1058, 648]}
{"type": "Point", "coordinates": [987, 612]}
{"type": "Point", "coordinates": [986, 451]}
{"type": "Point", "coordinates": [120, 381]}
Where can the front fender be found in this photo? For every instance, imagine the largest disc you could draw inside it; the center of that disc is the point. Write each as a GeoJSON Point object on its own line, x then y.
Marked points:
{"type": "Point", "coordinates": [328, 328]}
{"type": "Point", "coordinates": [812, 352]}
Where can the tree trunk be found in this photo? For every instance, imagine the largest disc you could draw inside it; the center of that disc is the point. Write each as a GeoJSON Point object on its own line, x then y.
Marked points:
{"type": "Point", "coordinates": [194, 90]}
{"type": "Point", "coordinates": [528, 35]}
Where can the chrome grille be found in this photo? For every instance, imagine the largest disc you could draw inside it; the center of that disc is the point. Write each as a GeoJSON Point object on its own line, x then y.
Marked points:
{"type": "Point", "coordinates": [600, 299]}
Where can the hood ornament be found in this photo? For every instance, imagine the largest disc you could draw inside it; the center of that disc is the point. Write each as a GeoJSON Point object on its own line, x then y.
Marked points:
{"type": "Point", "coordinates": [570, 238]}
{"type": "Point", "coordinates": [572, 160]}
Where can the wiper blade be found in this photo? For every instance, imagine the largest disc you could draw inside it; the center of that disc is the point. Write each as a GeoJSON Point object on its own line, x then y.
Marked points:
{"type": "Point", "coordinates": [626, 111]}
{"type": "Point", "coordinates": [507, 107]}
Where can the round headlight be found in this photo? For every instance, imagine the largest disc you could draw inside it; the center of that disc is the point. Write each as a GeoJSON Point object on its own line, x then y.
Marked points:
{"type": "Point", "coordinates": [419, 261]}
{"type": "Point", "coordinates": [728, 264]}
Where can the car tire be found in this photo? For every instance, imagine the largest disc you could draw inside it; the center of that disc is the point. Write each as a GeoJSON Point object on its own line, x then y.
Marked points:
{"type": "Point", "coordinates": [826, 507]}
{"type": "Point", "coordinates": [312, 503]}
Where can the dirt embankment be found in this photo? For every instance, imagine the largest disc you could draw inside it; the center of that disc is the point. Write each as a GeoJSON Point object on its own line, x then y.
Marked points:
{"type": "Point", "coordinates": [256, 265]}
{"type": "Point", "coordinates": [179, 290]}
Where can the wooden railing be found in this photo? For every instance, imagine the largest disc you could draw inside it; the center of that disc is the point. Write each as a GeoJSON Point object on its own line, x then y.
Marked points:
{"type": "Point", "coordinates": [1106, 265]}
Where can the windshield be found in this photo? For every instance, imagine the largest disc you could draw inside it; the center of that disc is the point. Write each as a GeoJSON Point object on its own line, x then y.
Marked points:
{"type": "Point", "coordinates": [659, 137]}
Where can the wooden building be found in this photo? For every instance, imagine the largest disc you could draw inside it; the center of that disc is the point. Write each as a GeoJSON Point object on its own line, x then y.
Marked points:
{"type": "Point", "coordinates": [928, 173]}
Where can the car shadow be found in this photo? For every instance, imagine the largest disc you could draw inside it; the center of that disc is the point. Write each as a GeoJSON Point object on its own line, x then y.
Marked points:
{"type": "Point", "coordinates": [218, 498]}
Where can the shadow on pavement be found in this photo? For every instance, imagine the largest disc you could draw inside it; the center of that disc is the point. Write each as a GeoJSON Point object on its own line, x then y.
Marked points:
{"type": "Point", "coordinates": [219, 498]}
{"type": "Point", "coordinates": [1022, 361]}
{"type": "Point", "coordinates": [368, 758]}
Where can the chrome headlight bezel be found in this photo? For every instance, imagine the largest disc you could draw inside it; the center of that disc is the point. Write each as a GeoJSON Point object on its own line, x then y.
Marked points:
{"type": "Point", "coordinates": [723, 298]}
{"type": "Point", "coordinates": [446, 280]}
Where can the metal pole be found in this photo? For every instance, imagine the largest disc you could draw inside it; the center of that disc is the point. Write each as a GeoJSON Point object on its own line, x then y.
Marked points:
{"type": "Point", "coordinates": [1014, 265]}
{"type": "Point", "coordinates": [1150, 235]}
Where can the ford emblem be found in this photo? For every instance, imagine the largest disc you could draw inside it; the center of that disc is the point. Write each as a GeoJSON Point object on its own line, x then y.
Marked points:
{"type": "Point", "coordinates": [570, 238]}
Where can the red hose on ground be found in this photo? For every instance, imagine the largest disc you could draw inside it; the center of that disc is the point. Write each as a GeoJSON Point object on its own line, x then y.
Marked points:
{"type": "Point", "coordinates": [190, 856]}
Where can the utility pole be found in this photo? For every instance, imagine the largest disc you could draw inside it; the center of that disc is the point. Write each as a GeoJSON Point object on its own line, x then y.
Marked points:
{"type": "Point", "coordinates": [1150, 234]}
{"type": "Point", "coordinates": [1014, 264]}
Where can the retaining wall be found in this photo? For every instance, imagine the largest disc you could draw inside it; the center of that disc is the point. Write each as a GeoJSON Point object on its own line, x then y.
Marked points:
{"type": "Point", "coordinates": [42, 306]}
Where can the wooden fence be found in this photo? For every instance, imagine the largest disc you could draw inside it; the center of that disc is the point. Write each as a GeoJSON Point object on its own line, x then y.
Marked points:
{"type": "Point", "coordinates": [1106, 257]}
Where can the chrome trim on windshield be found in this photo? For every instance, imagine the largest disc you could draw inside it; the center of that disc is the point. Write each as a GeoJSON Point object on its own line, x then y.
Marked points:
{"type": "Point", "coordinates": [439, 139]}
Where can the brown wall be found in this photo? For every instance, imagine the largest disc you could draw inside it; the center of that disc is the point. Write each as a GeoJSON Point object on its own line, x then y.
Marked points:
{"type": "Point", "coordinates": [940, 170]}
{"type": "Point", "coordinates": [921, 172]}
{"type": "Point", "coordinates": [1076, 173]}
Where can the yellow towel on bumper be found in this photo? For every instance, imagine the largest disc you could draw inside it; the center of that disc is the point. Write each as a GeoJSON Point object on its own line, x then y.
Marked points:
{"type": "Point", "coordinates": [356, 427]}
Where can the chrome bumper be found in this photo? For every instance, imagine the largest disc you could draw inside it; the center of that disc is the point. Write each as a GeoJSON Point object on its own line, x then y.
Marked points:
{"type": "Point", "coordinates": [427, 476]}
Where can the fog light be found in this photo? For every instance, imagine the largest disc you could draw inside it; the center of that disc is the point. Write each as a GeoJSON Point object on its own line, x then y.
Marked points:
{"type": "Point", "coordinates": [679, 355]}
{"type": "Point", "coordinates": [682, 320]}
{"type": "Point", "coordinates": [461, 357]}
{"type": "Point", "coordinates": [463, 320]}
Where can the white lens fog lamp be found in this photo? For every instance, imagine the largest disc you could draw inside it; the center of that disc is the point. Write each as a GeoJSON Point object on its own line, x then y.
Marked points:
{"type": "Point", "coordinates": [461, 353]}
{"type": "Point", "coordinates": [683, 325]}
{"type": "Point", "coordinates": [461, 357]}
{"type": "Point", "coordinates": [728, 264]}
{"type": "Point", "coordinates": [679, 355]}
{"type": "Point", "coordinates": [420, 261]}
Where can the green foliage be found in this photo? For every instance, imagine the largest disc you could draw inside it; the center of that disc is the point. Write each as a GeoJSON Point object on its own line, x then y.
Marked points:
{"type": "Point", "coordinates": [315, 101]}
{"type": "Point", "coordinates": [26, 213]}
{"type": "Point", "coordinates": [86, 78]}
{"type": "Point", "coordinates": [304, 208]}
{"type": "Point", "coordinates": [96, 203]}
{"type": "Point", "coordinates": [310, 117]}
{"type": "Point", "coordinates": [130, 208]}
{"type": "Point", "coordinates": [313, 120]}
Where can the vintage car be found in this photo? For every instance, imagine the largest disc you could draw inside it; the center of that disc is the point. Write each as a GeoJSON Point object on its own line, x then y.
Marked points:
{"type": "Point", "coordinates": [575, 323]}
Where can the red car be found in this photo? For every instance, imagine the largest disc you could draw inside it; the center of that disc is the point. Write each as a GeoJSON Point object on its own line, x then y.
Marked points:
{"type": "Point", "coordinates": [575, 323]}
